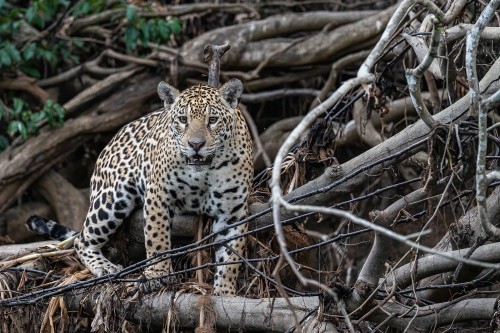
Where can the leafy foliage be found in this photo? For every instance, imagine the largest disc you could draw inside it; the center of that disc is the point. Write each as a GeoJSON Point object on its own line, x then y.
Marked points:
{"type": "Point", "coordinates": [147, 30]}
{"type": "Point", "coordinates": [23, 47]}
{"type": "Point", "coordinates": [24, 122]}
{"type": "Point", "coordinates": [34, 42]}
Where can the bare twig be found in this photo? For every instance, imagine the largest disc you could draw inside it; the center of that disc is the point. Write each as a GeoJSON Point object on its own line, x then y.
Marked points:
{"type": "Point", "coordinates": [460, 30]}
{"type": "Point", "coordinates": [256, 138]}
{"type": "Point", "coordinates": [131, 59]}
{"type": "Point", "coordinates": [212, 55]}
{"type": "Point", "coordinates": [392, 25]}
{"type": "Point", "coordinates": [388, 233]}
{"type": "Point", "coordinates": [491, 102]}
{"type": "Point", "coordinates": [277, 198]}
{"type": "Point", "coordinates": [476, 108]}
{"type": "Point", "coordinates": [336, 67]}
{"type": "Point", "coordinates": [33, 256]}
{"type": "Point", "coordinates": [413, 76]}
{"type": "Point", "coordinates": [421, 51]}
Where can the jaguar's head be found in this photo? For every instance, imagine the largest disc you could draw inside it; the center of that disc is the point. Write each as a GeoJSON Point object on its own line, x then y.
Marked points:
{"type": "Point", "coordinates": [201, 118]}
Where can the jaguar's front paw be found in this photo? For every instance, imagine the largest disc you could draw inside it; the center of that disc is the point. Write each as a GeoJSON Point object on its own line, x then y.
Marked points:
{"type": "Point", "coordinates": [219, 291]}
{"type": "Point", "coordinates": [224, 285]}
{"type": "Point", "coordinates": [105, 269]}
{"type": "Point", "coordinates": [153, 280]}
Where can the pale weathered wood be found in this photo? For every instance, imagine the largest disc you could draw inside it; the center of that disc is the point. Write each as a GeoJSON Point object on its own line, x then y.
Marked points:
{"type": "Point", "coordinates": [266, 314]}
{"type": "Point", "coordinates": [69, 204]}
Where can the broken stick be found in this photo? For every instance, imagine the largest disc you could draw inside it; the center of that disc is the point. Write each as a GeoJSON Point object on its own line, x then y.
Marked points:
{"type": "Point", "coordinates": [212, 55]}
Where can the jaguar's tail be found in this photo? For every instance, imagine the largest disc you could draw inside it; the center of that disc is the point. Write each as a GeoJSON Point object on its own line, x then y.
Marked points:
{"type": "Point", "coordinates": [49, 228]}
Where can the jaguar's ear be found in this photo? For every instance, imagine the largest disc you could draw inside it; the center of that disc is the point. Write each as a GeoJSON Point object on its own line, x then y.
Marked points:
{"type": "Point", "coordinates": [231, 92]}
{"type": "Point", "coordinates": [167, 93]}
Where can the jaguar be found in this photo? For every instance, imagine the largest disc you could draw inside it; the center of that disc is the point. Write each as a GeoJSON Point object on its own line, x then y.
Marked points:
{"type": "Point", "coordinates": [192, 156]}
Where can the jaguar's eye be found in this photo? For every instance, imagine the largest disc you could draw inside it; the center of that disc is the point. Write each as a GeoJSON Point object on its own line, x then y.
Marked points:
{"type": "Point", "coordinates": [212, 120]}
{"type": "Point", "coordinates": [183, 119]}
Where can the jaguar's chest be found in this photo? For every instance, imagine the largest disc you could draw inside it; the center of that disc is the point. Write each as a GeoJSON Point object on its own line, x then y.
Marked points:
{"type": "Point", "coordinates": [207, 192]}
{"type": "Point", "coordinates": [188, 190]}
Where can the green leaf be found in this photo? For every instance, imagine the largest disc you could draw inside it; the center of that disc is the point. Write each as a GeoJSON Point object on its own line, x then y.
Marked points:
{"type": "Point", "coordinates": [26, 115]}
{"type": "Point", "coordinates": [29, 51]}
{"type": "Point", "coordinates": [31, 71]}
{"type": "Point", "coordinates": [131, 35]}
{"type": "Point", "coordinates": [50, 117]}
{"type": "Point", "coordinates": [4, 143]}
{"type": "Point", "coordinates": [81, 8]}
{"type": "Point", "coordinates": [16, 25]}
{"type": "Point", "coordinates": [48, 55]}
{"type": "Point", "coordinates": [36, 117]}
{"type": "Point", "coordinates": [17, 105]}
{"type": "Point", "coordinates": [64, 3]}
{"type": "Point", "coordinates": [145, 27]}
{"type": "Point", "coordinates": [49, 104]}
{"type": "Point", "coordinates": [74, 58]}
{"type": "Point", "coordinates": [12, 128]}
{"type": "Point", "coordinates": [17, 126]}
{"type": "Point", "coordinates": [5, 58]}
{"type": "Point", "coordinates": [5, 28]}
{"type": "Point", "coordinates": [164, 30]}
{"type": "Point", "coordinates": [22, 130]}
{"type": "Point", "coordinates": [37, 20]}
{"type": "Point", "coordinates": [30, 14]}
{"type": "Point", "coordinates": [131, 13]}
{"type": "Point", "coordinates": [31, 126]}
{"type": "Point", "coordinates": [13, 52]}
{"type": "Point", "coordinates": [59, 113]}
{"type": "Point", "coordinates": [77, 42]}
{"type": "Point", "coordinates": [175, 26]}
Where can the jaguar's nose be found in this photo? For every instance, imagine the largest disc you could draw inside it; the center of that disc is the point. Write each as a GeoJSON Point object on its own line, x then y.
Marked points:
{"type": "Point", "coordinates": [196, 145]}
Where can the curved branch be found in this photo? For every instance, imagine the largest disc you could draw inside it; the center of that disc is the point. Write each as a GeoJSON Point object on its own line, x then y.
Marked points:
{"type": "Point", "coordinates": [475, 108]}
{"type": "Point", "coordinates": [434, 264]}
{"type": "Point", "coordinates": [426, 318]}
{"type": "Point", "coordinates": [413, 76]}
{"type": "Point", "coordinates": [26, 84]}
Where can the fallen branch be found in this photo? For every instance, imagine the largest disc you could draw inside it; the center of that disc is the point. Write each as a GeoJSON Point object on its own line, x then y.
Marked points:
{"type": "Point", "coordinates": [253, 314]}
{"type": "Point", "coordinates": [426, 318]}
{"type": "Point", "coordinates": [69, 204]}
{"type": "Point", "coordinates": [26, 84]}
{"type": "Point", "coordinates": [432, 265]}
{"type": "Point", "coordinates": [239, 36]}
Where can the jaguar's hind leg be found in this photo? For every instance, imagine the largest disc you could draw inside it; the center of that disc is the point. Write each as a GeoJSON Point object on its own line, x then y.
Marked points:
{"type": "Point", "coordinates": [105, 215]}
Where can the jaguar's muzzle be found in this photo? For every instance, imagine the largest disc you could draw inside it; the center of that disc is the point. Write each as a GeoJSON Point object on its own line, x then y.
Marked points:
{"type": "Point", "coordinates": [198, 160]}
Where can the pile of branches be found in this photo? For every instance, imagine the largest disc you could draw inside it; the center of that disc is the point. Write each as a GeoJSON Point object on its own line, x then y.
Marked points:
{"type": "Point", "coordinates": [375, 201]}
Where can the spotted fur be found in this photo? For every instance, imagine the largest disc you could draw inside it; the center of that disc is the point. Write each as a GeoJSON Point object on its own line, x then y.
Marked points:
{"type": "Point", "coordinates": [193, 156]}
